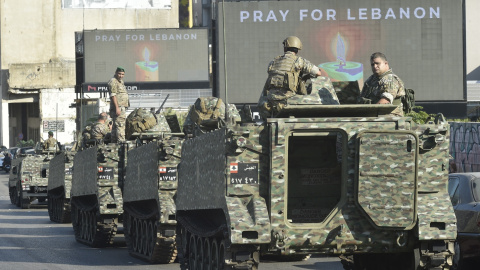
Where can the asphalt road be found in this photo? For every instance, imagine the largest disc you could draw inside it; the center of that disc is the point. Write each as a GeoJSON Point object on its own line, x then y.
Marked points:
{"type": "Point", "coordinates": [29, 240]}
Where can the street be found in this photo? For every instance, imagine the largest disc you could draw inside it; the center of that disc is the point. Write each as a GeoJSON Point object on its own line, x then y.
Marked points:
{"type": "Point", "coordinates": [29, 240]}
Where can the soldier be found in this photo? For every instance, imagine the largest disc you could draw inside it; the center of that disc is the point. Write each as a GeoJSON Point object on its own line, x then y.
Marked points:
{"type": "Point", "coordinates": [285, 78]}
{"type": "Point", "coordinates": [101, 127]}
{"type": "Point", "coordinates": [208, 113]}
{"type": "Point", "coordinates": [383, 87]}
{"type": "Point", "coordinates": [50, 142]}
{"type": "Point", "coordinates": [118, 104]}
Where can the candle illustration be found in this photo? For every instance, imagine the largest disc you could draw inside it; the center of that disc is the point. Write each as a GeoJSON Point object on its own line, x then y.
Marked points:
{"type": "Point", "coordinates": [342, 70]}
{"type": "Point", "coordinates": [146, 70]}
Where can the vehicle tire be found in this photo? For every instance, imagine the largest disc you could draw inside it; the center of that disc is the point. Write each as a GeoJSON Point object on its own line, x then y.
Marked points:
{"type": "Point", "coordinates": [457, 258]}
{"type": "Point", "coordinates": [11, 193]}
{"type": "Point", "coordinates": [24, 202]}
{"type": "Point", "coordinates": [18, 191]}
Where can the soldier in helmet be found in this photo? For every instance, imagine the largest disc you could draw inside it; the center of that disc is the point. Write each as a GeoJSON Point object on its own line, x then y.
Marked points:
{"type": "Point", "coordinates": [285, 75]}
{"type": "Point", "coordinates": [118, 104]}
{"type": "Point", "coordinates": [50, 142]}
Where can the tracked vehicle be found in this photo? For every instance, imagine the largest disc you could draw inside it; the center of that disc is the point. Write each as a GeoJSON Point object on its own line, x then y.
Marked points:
{"type": "Point", "coordinates": [318, 178]}
{"type": "Point", "coordinates": [150, 188]}
{"type": "Point", "coordinates": [96, 195]}
{"type": "Point", "coordinates": [97, 198]}
{"type": "Point", "coordinates": [59, 186]}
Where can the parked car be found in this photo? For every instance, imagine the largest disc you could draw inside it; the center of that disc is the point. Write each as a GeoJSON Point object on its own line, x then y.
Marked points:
{"type": "Point", "coordinates": [30, 152]}
{"type": "Point", "coordinates": [13, 151]}
{"type": "Point", "coordinates": [464, 191]}
{"type": "Point", "coordinates": [22, 150]}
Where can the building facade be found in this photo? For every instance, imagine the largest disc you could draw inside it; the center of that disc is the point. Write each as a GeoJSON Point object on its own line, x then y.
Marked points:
{"type": "Point", "coordinates": [37, 58]}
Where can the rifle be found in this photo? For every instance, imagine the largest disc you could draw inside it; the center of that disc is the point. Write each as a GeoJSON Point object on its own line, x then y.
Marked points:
{"type": "Point", "coordinates": [161, 106]}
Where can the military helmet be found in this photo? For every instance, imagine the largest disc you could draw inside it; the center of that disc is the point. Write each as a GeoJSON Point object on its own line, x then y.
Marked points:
{"type": "Point", "coordinates": [50, 133]}
{"type": "Point", "coordinates": [292, 42]}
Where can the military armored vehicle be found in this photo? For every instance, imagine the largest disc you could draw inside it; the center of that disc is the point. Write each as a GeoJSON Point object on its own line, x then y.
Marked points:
{"type": "Point", "coordinates": [96, 197]}
{"type": "Point", "coordinates": [318, 178]}
{"type": "Point", "coordinates": [150, 188]}
{"type": "Point", "coordinates": [28, 179]}
{"type": "Point", "coordinates": [59, 186]}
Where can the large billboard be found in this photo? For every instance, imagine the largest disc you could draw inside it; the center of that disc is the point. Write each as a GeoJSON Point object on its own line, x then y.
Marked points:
{"type": "Point", "coordinates": [422, 39]}
{"type": "Point", "coordinates": [152, 58]}
{"type": "Point", "coordinates": [135, 4]}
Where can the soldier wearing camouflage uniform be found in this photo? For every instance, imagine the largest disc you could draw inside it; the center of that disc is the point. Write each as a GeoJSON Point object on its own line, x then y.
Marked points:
{"type": "Point", "coordinates": [50, 142]}
{"type": "Point", "coordinates": [383, 87]}
{"type": "Point", "coordinates": [284, 80]}
{"type": "Point", "coordinates": [101, 128]}
{"type": "Point", "coordinates": [212, 107]}
{"type": "Point", "coordinates": [118, 104]}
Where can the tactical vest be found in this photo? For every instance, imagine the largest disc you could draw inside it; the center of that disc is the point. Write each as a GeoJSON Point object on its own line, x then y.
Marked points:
{"type": "Point", "coordinates": [206, 111]}
{"type": "Point", "coordinates": [139, 120]}
{"type": "Point", "coordinates": [282, 74]}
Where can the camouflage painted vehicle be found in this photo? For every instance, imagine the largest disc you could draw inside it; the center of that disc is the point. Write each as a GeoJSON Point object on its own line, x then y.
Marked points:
{"type": "Point", "coordinates": [150, 187]}
{"type": "Point", "coordinates": [96, 196]}
{"type": "Point", "coordinates": [319, 178]}
{"type": "Point", "coordinates": [59, 186]}
{"type": "Point", "coordinates": [28, 179]}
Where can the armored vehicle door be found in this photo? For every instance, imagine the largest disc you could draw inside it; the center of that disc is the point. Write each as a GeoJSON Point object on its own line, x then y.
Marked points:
{"type": "Point", "coordinates": [15, 172]}
{"type": "Point", "coordinates": [387, 178]}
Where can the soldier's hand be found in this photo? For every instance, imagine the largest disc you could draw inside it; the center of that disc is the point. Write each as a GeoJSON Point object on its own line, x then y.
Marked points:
{"type": "Point", "coordinates": [362, 100]}
{"type": "Point", "coordinates": [118, 111]}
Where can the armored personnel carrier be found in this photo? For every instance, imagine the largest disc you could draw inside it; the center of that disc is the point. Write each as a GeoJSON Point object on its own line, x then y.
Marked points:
{"type": "Point", "coordinates": [96, 196]}
{"type": "Point", "coordinates": [150, 187]}
{"type": "Point", "coordinates": [318, 178]}
{"type": "Point", "coordinates": [59, 186]}
{"type": "Point", "coordinates": [28, 178]}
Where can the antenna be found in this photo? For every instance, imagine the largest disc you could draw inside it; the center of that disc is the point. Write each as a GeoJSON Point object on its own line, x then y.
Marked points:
{"type": "Point", "coordinates": [225, 60]}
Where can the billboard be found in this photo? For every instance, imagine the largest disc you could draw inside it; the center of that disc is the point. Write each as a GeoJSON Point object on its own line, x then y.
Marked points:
{"type": "Point", "coordinates": [135, 4]}
{"type": "Point", "coordinates": [422, 39]}
{"type": "Point", "coordinates": [152, 58]}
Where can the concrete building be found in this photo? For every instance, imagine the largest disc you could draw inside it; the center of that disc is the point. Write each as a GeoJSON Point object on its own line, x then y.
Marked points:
{"type": "Point", "coordinates": [37, 56]}
{"type": "Point", "coordinates": [472, 57]}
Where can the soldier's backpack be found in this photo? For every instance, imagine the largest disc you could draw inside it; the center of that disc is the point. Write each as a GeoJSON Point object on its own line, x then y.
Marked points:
{"type": "Point", "coordinates": [140, 120]}
{"type": "Point", "coordinates": [86, 133]}
{"type": "Point", "coordinates": [408, 100]}
{"type": "Point", "coordinates": [206, 111]}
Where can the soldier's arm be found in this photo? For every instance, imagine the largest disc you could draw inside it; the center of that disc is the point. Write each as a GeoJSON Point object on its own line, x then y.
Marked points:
{"type": "Point", "coordinates": [392, 89]}
{"type": "Point", "coordinates": [113, 89]}
{"type": "Point", "coordinates": [309, 68]}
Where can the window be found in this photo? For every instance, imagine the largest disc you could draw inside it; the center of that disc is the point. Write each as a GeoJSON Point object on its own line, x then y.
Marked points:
{"type": "Point", "coordinates": [476, 189]}
{"type": "Point", "coordinates": [453, 190]}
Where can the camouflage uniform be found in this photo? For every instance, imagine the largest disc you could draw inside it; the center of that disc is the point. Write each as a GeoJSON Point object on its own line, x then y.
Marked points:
{"type": "Point", "coordinates": [117, 88]}
{"type": "Point", "coordinates": [387, 85]}
{"type": "Point", "coordinates": [189, 126]}
{"type": "Point", "coordinates": [50, 142]}
{"type": "Point", "coordinates": [276, 90]}
{"type": "Point", "coordinates": [99, 130]}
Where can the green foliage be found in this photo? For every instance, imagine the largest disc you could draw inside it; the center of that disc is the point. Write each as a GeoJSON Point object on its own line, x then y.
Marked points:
{"type": "Point", "coordinates": [419, 116]}
{"type": "Point", "coordinates": [183, 13]}
{"type": "Point", "coordinates": [23, 143]}
{"type": "Point", "coordinates": [464, 120]}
